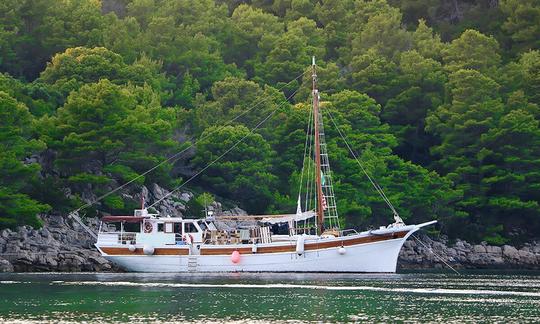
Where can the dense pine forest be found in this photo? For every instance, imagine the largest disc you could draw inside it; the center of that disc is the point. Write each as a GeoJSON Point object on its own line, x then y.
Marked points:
{"type": "Point", "coordinates": [440, 100]}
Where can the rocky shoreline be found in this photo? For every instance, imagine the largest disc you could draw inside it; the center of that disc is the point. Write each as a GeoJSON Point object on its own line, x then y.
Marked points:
{"type": "Point", "coordinates": [62, 245]}
{"type": "Point", "coordinates": [422, 252]}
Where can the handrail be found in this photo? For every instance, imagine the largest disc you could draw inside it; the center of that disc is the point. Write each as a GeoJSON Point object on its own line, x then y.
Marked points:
{"type": "Point", "coordinates": [352, 230]}
{"type": "Point", "coordinates": [118, 233]}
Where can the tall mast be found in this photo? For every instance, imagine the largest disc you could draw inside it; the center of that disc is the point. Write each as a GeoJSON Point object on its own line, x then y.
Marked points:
{"type": "Point", "coordinates": [318, 185]}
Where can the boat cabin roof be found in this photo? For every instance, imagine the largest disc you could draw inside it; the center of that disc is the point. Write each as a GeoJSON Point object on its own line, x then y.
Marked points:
{"type": "Point", "coordinates": [127, 219]}
{"type": "Point", "coordinates": [137, 219]}
{"type": "Point", "coordinates": [141, 215]}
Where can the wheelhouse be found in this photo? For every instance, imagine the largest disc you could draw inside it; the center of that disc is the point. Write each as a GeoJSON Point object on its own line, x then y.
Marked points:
{"type": "Point", "coordinates": [146, 228]}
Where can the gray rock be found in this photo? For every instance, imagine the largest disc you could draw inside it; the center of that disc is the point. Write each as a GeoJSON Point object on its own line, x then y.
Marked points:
{"type": "Point", "coordinates": [186, 196]}
{"type": "Point", "coordinates": [510, 252]}
{"type": "Point", "coordinates": [88, 196]}
{"type": "Point", "coordinates": [236, 211]}
{"type": "Point", "coordinates": [493, 249]}
{"type": "Point", "coordinates": [98, 260]}
{"type": "Point", "coordinates": [24, 257]}
{"type": "Point", "coordinates": [409, 244]}
{"type": "Point", "coordinates": [438, 246]}
{"type": "Point", "coordinates": [527, 257]}
{"type": "Point", "coordinates": [179, 206]}
{"type": "Point", "coordinates": [465, 255]}
{"type": "Point", "coordinates": [479, 249]}
{"type": "Point", "coordinates": [158, 192]}
{"type": "Point", "coordinates": [460, 246]}
{"type": "Point", "coordinates": [5, 266]}
{"type": "Point", "coordinates": [22, 233]}
{"type": "Point", "coordinates": [5, 233]}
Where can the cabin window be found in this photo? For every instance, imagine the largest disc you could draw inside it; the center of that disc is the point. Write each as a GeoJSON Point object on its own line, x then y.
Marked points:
{"type": "Point", "coordinates": [168, 227]}
{"type": "Point", "coordinates": [190, 228]}
{"type": "Point", "coordinates": [111, 227]}
{"type": "Point", "coordinates": [178, 228]}
{"type": "Point", "coordinates": [160, 227]}
{"type": "Point", "coordinates": [132, 227]}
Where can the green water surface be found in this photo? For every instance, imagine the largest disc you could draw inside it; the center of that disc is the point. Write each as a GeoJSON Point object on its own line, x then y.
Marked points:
{"type": "Point", "coordinates": [411, 297]}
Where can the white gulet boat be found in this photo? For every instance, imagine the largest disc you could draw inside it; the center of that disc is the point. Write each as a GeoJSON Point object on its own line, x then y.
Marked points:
{"type": "Point", "coordinates": [314, 242]}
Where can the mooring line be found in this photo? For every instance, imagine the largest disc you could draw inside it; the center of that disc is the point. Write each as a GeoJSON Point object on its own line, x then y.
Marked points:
{"type": "Point", "coordinates": [438, 256]}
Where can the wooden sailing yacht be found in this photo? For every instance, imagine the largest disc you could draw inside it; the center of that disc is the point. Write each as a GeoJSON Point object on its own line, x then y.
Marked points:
{"type": "Point", "coordinates": [174, 244]}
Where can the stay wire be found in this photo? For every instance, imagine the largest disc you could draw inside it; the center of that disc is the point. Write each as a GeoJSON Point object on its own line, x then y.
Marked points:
{"type": "Point", "coordinates": [373, 183]}
{"type": "Point", "coordinates": [308, 132]}
{"type": "Point", "coordinates": [73, 214]}
{"type": "Point", "coordinates": [224, 153]}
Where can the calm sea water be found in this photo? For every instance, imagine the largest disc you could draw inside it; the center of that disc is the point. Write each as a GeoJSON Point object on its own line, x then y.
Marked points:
{"type": "Point", "coordinates": [411, 297]}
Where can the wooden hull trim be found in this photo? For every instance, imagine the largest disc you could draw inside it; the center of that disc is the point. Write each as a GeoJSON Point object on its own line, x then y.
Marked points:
{"type": "Point", "coordinates": [243, 249]}
{"type": "Point", "coordinates": [308, 247]}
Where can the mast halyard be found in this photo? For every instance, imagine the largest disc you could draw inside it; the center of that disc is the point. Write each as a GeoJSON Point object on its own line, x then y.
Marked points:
{"type": "Point", "coordinates": [318, 182]}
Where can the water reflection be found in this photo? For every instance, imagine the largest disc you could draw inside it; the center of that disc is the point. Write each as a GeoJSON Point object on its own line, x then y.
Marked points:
{"type": "Point", "coordinates": [251, 297]}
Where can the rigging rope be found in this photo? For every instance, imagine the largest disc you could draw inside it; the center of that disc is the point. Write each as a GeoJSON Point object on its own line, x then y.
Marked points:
{"type": "Point", "coordinates": [375, 184]}
{"type": "Point", "coordinates": [74, 214]}
{"type": "Point", "coordinates": [224, 153]}
{"type": "Point", "coordinates": [435, 254]}
{"type": "Point", "coordinates": [308, 134]}
{"type": "Point", "coordinates": [310, 184]}
{"type": "Point", "coordinates": [214, 161]}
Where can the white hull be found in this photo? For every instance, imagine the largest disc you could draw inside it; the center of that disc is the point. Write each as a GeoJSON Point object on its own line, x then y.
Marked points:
{"type": "Point", "coordinates": [378, 256]}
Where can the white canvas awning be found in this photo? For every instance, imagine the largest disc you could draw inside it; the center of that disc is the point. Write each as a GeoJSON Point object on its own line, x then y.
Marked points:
{"type": "Point", "coordinates": [290, 217]}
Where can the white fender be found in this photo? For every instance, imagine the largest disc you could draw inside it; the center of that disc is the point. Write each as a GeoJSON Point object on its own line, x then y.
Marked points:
{"type": "Point", "coordinates": [132, 248]}
{"type": "Point", "coordinates": [148, 249]}
{"type": "Point", "coordinates": [300, 245]}
{"type": "Point", "coordinates": [254, 248]}
{"type": "Point", "coordinates": [342, 250]}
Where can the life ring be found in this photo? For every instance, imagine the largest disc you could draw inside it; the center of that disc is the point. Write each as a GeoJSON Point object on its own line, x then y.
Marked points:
{"type": "Point", "coordinates": [185, 238]}
{"type": "Point", "coordinates": [148, 228]}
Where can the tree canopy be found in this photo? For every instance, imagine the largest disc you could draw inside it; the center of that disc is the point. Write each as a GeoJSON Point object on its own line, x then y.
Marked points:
{"type": "Point", "coordinates": [439, 100]}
